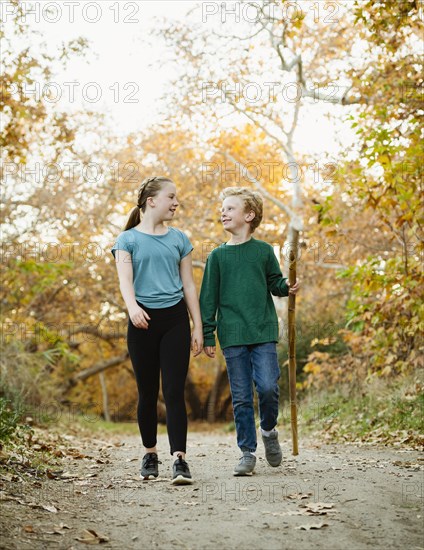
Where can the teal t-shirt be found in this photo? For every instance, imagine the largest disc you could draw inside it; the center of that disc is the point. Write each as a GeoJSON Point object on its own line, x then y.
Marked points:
{"type": "Point", "coordinates": [156, 265]}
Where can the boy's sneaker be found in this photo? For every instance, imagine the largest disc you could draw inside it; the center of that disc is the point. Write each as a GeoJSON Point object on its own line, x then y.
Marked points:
{"type": "Point", "coordinates": [246, 465]}
{"type": "Point", "coordinates": [180, 472]}
{"type": "Point", "coordinates": [149, 466]}
{"type": "Point", "coordinates": [273, 452]}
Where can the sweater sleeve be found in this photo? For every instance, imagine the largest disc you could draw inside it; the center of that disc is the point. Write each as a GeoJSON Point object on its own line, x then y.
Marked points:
{"type": "Point", "coordinates": [277, 284]}
{"type": "Point", "coordinates": [209, 294]}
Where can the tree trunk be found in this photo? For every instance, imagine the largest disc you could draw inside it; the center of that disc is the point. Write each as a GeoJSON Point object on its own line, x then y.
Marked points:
{"type": "Point", "coordinates": [213, 395]}
{"type": "Point", "coordinates": [193, 398]}
{"type": "Point", "coordinates": [98, 367]}
{"type": "Point", "coordinates": [224, 408]}
{"type": "Point", "coordinates": [105, 396]}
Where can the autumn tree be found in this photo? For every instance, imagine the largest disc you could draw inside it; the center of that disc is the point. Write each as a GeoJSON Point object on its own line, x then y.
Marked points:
{"type": "Point", "coordinates": [385, 312]}
{"type": "Point", "coordinates": [365, 64]}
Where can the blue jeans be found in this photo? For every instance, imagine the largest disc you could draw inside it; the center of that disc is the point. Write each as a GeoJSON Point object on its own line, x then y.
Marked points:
{"type": "Point", "coordinates": [256, 363]}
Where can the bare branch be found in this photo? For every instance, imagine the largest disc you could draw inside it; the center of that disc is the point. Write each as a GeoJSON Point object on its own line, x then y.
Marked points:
{"type": "Point", "coordinates": [96, 331]}
{"type": "Point", "coordinates": [326, 265]}
{"type": "Point", "coordinates": [261, 126]}
{"type": "Point", "coordinates": [99, 367]}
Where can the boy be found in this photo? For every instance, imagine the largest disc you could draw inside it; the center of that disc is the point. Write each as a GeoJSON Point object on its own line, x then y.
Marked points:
{"type": "Point", "coordinates": [235, 299]}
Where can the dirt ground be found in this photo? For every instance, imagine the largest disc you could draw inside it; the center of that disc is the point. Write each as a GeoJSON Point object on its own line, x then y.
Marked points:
{"type": "Point", "coordinates": [330, 496]}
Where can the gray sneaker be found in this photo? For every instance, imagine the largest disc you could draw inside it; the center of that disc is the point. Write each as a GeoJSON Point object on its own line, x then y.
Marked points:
{"type": "Point", "coordinates": [181, 473]}
{"type": "Point", "coordinates": [273, 452]}
{"type": "Point", "coordinates": [149, 466]}
{"type": "Point", "coordinates": [246, 465]}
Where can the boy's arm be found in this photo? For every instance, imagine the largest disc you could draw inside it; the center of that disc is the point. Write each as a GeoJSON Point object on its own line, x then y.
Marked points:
{"type": "Point", "coordinates": [277, 284]}
{"type": "Point", "coordinates": [209, 300]}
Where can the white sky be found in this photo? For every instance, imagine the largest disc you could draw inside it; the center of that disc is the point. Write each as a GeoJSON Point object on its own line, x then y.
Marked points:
{"type": "Point", "coordinates": [121, 64]}
{"type": "Point", "coordinates": [116, 57]}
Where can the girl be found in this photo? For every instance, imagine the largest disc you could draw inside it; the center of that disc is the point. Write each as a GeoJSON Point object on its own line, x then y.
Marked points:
{"type": "Point", "coordinates": [156, 281]}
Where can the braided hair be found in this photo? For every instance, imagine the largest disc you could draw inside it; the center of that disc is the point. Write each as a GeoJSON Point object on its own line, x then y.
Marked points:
{"type": "Point", "coordinates": [149, 187]}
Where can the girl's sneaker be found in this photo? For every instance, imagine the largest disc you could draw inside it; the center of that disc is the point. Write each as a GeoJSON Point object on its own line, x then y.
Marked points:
{"type": "Point", "coordinates": [149, 466]}
{"type": "Point", "coordinates": [180, 472]}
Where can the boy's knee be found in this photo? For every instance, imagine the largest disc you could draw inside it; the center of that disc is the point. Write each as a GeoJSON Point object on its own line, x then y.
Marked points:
{"type": "Point", "coordinates": [242, 403]}
{"type": "Point", "coordinates": [268, 393]}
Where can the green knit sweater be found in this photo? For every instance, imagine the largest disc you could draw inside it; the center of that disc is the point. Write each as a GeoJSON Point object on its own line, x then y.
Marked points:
{"type": "Point", "coordinates": [235, 297]}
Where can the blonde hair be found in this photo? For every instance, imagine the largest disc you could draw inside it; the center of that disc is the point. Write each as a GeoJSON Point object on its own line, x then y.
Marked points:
{"type": "Point", "coordinates": [252, 202]}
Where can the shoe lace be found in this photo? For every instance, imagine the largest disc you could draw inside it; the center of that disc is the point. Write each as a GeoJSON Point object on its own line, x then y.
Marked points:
{"type": "Point", "coordinates": [151, 461]}
{"type": "Point", "coordinates": [181, 465]}
{"type": "Point", "coordinates": [273, 445]}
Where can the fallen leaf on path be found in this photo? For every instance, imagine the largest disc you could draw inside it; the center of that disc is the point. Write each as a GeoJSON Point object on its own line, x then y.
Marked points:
{"type": "Point", "coordinates": [312, 526]}
{"type": "Point", "coordinates": [4, 456]}
{"type": "Point", "coordinates": [61, 526]}
{"type": "Point", "coordinates": [68, 475]}
{"type": "Point", "coordinates": [58, 453]}
{"type": "Point", "coordinates": [299, 496]}
{"type": "Point", "coordinates": [317, 508]}
{"type": "Point", "coordinates": [49, 508]}
{"type": "Point", "coordinates": [54, 532]}
{"type": "Point", "coordinates": [54, 474]}
{"type": "Point", "coordinates": [91, 537]}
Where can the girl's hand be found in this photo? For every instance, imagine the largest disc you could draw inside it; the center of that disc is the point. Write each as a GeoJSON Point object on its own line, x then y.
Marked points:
{"type": "Point", "coordinates": [197, 341]}
{"type": "Point", "coordinates": [139, 317]}
{"type": "Point", "coordinates": [293, 289]}
{"type": "Point", "coordinates": [210, 351]}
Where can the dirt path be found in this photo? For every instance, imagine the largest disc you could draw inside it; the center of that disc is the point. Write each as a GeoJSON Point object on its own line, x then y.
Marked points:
{"type": "Point", "coordinates": [355, 497]}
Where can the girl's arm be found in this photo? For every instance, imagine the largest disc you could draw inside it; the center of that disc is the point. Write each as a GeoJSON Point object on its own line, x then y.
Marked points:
{"type": "Point", "coordinates": [138, 316]}
{"type": "Point", "coordinates": [192, 301]}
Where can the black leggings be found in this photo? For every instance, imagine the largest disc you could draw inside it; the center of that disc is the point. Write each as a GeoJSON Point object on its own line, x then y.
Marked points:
{"type": "Point", "coordinates": [164, 347]}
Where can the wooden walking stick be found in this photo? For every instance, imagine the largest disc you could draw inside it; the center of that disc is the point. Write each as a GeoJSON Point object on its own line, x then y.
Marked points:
{"type": "Point", "coordinates": [292, 347]}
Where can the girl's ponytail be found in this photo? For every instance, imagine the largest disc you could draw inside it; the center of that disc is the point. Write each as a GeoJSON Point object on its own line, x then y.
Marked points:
{"type": "Point", "coordinates": [134, 218]}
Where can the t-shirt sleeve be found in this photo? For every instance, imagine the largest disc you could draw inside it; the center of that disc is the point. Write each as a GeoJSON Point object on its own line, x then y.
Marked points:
{"type": "Point", "coordinates": [122, 243]}
{"type": "Point", "coordinates": [186, 246]}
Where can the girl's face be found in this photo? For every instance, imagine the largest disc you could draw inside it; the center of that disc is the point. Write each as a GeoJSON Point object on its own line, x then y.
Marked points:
{"type": "Point", "coordinates": [233, 214]}
{"type": "Point", "coordinates": [165, 202]}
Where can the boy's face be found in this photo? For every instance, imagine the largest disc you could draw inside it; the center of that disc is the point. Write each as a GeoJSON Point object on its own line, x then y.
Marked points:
{"type": "Point", "coordinates": [234, 216]}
